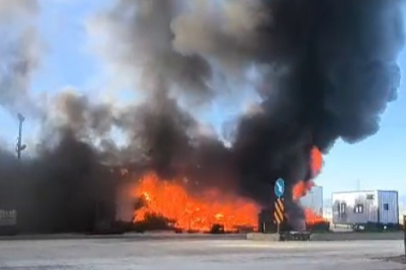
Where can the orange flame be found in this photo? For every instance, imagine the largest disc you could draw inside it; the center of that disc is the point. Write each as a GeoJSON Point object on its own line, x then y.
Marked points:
{"type": "Point", "coordinates": [312, 218]}
{"type": "Point", "coordinates": [198, 213]}
{"type": "Point", "coordinates": [300, 189]}
{"type": "Point", "coordinates": [316, 161]}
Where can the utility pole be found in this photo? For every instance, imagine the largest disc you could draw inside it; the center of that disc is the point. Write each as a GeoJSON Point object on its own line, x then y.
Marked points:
{"type": "Point", "coordinates": [20, 147]}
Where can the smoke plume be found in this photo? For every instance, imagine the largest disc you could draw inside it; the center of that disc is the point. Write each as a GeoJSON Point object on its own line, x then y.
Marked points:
{"type": "Point", "coordinates": [143, 42]}
{"type": "Point", "coordinates": [326, 70]}
{"type": "Point", "coordinates": [20, 51]}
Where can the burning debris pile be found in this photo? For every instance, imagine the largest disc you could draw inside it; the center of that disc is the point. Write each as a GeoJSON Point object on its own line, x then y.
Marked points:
{"type": "Point", "coordinates": [200, 212]}
{"type": "Point", "coordinates": [193, 213]}
{"type": "Point", "coordinates": [324, 70]}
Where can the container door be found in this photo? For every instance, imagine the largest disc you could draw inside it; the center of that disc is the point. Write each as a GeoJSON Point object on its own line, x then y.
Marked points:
{"type": "Point", "coordinates": [388, 207]}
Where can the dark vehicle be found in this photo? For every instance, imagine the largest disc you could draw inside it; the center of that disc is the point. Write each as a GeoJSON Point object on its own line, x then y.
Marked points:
{"type": "Point", "coordinates": [217, 229]}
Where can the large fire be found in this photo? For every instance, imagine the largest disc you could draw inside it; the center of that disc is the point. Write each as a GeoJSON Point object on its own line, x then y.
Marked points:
{"type": "Point", "coordinates": [198, 213]}
{"type": "Point", "coordinates": [172, 200]}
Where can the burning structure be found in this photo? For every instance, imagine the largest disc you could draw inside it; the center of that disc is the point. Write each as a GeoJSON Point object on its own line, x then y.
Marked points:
{"type": "Point", "coordinates": [324, 70]}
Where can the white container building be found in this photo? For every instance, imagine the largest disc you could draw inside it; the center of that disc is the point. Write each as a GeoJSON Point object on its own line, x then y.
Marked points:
{"type": "Point", "coordinates": [363, 207]}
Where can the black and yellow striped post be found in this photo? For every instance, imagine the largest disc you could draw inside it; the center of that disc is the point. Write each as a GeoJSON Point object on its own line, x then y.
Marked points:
{"type": "Point", "coordinates": [279, 213]}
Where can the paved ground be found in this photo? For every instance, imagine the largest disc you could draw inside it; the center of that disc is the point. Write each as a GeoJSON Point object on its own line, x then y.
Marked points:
{"type": "Point", "coordinates": [196, 254]}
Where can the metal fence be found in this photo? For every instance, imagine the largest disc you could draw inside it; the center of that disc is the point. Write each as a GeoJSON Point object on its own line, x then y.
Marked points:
{"type": "Point", "coordinates": [8, 218]}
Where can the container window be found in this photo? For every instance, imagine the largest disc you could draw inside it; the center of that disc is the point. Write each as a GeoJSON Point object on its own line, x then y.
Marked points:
{"type": "Point", "coordinates": [343, 207]}
{"type": "Point", "coordinates": [359, 209]}
{"type": "Point", "coordinates": [386, 206]}
{"type": "Point", "coordinates": [370, 196]}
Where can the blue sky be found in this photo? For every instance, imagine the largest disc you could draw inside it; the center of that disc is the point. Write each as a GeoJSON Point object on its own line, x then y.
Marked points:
{"type": "Point", "coordinates": [378, 162]}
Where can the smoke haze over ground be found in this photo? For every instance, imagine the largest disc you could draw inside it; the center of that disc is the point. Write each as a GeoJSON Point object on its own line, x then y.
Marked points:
{"type": "Point", "coordinates": [326, 70]}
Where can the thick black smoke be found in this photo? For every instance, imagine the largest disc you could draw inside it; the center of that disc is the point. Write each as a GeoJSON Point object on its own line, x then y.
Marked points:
{"type": "Point", "coordinates": [327, 70]}
{"type": "Point", "coordinates": [63, 190]}
{"type": "Point", "coordinates": [341, 57]}
{"type": "Point", "coordinates": [65, 187]}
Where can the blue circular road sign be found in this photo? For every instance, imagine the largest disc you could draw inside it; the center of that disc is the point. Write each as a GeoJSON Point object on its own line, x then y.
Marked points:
{"type": "Point", "coordinates": [279, 187]}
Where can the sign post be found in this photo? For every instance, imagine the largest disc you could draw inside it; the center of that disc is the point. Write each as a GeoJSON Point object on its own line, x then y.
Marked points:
{"type": "Point", "coordinates": [279, 210]}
